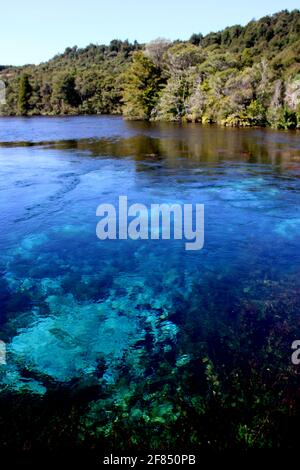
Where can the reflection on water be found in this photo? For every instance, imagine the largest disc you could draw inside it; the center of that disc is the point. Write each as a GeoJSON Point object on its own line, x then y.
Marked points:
{"type": "Point", "coordinates": [139, 343]}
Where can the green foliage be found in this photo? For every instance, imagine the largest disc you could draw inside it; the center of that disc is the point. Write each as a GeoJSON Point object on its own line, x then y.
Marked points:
{"type": "Point", "coordinates": [24, 95]}
{"type": "Point", "coordinates": [64, 90]}
{"type": "Point", "coordinates": [181, 68]}
{"type": "Point", "coordinates": [287, 119]}
{"type": "Point", "coordinates": [256, 113]}
{"type": "Point", "coordinates": [298, 116]}
{"type": "Point", "coordinates": [142, 83]}
{"type": "Point", "coordinates": [247, 58]}
{"type": "Point", "coordinates": [196, 39]}
{"type": "Point", "coordinates": [241, 76]}
{"type": "Point", "coordinates": [79, 81]}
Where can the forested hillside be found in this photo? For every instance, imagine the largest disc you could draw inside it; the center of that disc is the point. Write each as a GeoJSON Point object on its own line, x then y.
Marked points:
{"type": "Point", "coordinates": [239, 76]}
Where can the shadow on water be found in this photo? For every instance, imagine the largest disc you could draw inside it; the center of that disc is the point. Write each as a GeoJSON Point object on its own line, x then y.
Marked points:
{"type": "Point", "coordinates": [207, 144]}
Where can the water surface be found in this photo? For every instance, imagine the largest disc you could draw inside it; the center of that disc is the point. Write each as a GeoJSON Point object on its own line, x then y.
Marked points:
{"type": "Point", "coordinates": [140, 343]}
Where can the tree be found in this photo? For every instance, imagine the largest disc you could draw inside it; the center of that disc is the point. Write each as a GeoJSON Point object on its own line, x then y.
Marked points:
{"type": "Point", "coordinates": [232, 76]}
{"type": "Point", "coordinates": [68, 90]}
{"type": "Point", "coordinates": [256, 113]}
{"type": "Point", "coordinates": [292, 93]}
{"type": "Point", "coordinates": [142, 84]}
{"type": "Point", "coordinates": [173, 101]}
{"type": "Point", "coordinates": [181, 64]}
{"type": "Point", "coordinates": [287, 119]}
{"type": "Point", "coordinates": [156, 50]}
{"type": "Point", "coordinates": [65, 94]}
{"type": "Point", "coordinates": [183, 56]}
{"type": "Point", "coordinates": [24, 95]}
{"type": "Point", "coordinates": [196, 39]}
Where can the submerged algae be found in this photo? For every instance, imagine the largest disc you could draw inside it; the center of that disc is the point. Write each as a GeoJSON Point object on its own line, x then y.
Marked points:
{"type": "Point", "coordinates": [75, 336]}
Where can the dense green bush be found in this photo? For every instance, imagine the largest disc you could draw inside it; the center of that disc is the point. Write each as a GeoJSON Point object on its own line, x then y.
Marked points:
{"type": "Point", "coordinates": [241, 76]}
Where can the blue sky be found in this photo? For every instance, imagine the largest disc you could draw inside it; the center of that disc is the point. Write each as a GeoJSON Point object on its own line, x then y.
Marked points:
{"type": "Point", "coordinates": [32, 31]}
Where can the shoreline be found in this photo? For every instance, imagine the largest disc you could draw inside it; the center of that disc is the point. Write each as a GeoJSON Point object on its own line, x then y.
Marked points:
{"type": "Point", "coordinates": [183, 122]}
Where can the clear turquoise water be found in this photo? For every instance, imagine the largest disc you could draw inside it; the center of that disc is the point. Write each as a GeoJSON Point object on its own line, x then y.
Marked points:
{"type": "Point", "coordinates": [172, 346]}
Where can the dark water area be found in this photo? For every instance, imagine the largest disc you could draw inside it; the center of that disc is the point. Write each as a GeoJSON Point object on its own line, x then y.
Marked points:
{"type": "Point", "coordinates": [124, 344]}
